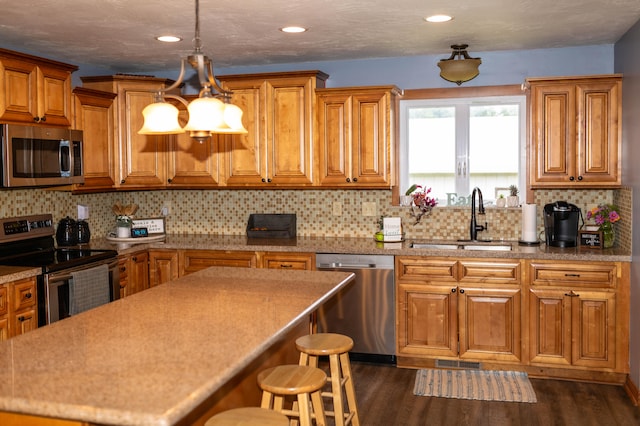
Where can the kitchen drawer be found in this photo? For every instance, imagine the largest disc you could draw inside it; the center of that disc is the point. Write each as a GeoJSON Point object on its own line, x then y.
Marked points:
{"type": "Point", "coordinates": [426, 269]}
{"type": "Point", "coordinates": [490, 271]}
{"type": "Point", "coordinates": [196, 260]}
{"type": "Point", "coordinates": [597, 275]}
{"type": "Point", "coordinates": [24, 294]}
{"type": "Point", "coordinates": [297, 261]}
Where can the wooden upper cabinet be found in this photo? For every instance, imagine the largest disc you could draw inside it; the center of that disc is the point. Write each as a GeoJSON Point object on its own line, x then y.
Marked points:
{"type": "Point", "coordinates": [355, 142]}
{"type": "Point", "coordinates": [575, 132]}
{"type": "Point", "coordinates": [142, 158]}
{"type": "Point", "coordinates": [94, 114]}
{"type": "Point", "coordinates": [34, 90]}
{"type": "Point", "coordinates": [279, 116]}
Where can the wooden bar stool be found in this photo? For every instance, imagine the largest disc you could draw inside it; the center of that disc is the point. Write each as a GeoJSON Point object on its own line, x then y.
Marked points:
{"type": "Point", "coordinates": [303, 382]}
{"type": "Point", "coordinates": [248, 416]}
{"type": "Point", "coordinates": [336, 347]}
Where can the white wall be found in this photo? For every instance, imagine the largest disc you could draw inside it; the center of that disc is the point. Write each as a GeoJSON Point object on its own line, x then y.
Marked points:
{"type": "Point", "coordinates": [627, 62]}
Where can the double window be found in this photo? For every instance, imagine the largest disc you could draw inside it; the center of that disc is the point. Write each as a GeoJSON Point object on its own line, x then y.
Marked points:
{"type": "Point", "coordinates": [454, 145]}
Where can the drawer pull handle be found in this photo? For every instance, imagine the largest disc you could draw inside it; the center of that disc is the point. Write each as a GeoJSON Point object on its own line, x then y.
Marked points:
{"type": "Point", "coordinates": [20, 318]}
{"type": "Point", "coordinates": [572, 294]}
{"type": "Point", "coordinates": [572, 275]}
{"type": "Point", "coordinates": [27, 296]}
{"type": "Point", "coordinates": [286, 266]}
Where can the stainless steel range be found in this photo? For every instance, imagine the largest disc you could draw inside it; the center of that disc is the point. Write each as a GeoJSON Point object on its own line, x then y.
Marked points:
{"type": "Point", "coordinates": [29, 241]}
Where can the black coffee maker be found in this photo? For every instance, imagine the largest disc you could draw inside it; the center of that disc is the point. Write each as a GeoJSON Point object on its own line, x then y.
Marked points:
{"type": "Point", "coordinates": [561, 224]}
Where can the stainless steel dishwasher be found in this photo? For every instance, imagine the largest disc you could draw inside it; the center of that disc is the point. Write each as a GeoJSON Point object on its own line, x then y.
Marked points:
{"type": "Point", "coordinates": [365, 309]}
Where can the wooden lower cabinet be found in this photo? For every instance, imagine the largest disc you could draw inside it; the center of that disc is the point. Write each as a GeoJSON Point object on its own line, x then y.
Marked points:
{"type": "Point", "coordinates": [579, 315]}
{"type": "Point", "coordinates": [18, 310]}
{"type": "Point", "coordinates": [163, 266]}
{"type": "Point", "coordinates": [466, 309]}
{"type": "Point", "coordinates": [134, 273]}
{"type": "Point", "coordinates": [167, 265]}
{"type": "Point", "coordinates": [549, 318]}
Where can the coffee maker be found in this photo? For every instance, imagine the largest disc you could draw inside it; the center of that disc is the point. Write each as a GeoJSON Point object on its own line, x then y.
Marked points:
{"type": "Point", "coordinates": [561, 224]}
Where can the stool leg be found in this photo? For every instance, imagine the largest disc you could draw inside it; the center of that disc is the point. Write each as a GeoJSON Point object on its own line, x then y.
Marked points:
{"type": "Point", "coordinates": [266, 400]}
{"type": "Point", "coordinates": [318, 408]}
{"type": "Point", "coordinates": [349, 388]}
{"type": "Point", "coordinates": [336, 390]}
{"type": "Point", "coordinates": [304, 409]}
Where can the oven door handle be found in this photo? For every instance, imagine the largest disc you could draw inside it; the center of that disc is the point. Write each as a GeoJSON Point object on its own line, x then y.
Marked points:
{"type": "Point", "coordinates": [66, 275]}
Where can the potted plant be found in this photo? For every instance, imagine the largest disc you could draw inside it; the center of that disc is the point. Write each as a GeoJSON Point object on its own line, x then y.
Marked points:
{"type": "Point", "coordinates": [512, 199]}
{"type": "Point", "coordinates": [124, 218]}
{"type": "Point", "coordinates": [501, 201]}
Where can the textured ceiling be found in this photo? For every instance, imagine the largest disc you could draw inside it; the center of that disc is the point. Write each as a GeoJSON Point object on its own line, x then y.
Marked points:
{"type": "Point", "coordinates": [119, 34]}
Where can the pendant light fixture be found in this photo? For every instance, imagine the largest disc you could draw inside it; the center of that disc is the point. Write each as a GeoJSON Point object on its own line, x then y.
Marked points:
{"type": "Point", "coordinates": [459, 67]}
{"type": "Point", "coordinates": [212, 112]}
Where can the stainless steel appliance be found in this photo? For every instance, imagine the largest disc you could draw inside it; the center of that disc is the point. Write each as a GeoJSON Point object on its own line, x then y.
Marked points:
{"type": "Point", "coordinates": [365, 309]}
{"type": "Point", "coordinates": [40, 156]}
{"type": "Point", "coordinates": [561, 224]}
{"type": "Point", "coordinates": [29, 241]}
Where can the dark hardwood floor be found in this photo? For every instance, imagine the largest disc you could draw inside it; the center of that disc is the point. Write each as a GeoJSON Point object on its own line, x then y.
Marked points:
{"type": "Point", "coordinates": [385, 398]}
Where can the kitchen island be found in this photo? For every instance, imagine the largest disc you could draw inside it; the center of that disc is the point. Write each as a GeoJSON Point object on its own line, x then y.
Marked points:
{"type": "Point", "coordinates": [164, 356]}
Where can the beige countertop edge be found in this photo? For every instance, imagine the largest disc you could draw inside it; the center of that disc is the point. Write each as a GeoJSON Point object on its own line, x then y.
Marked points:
{"type": "Point", "coordinates": [15, 273]}
{"type": "Point", "coordinates": [363, 246]}
{"type": "Point", "coordinates": [156, 396]}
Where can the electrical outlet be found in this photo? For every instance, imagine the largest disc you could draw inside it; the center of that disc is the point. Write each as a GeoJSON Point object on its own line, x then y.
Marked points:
{"type": "Point", "coordinates": [337, 208]}
{"type": "Point", "coordinates": [166, 208]}
{"type": "Point", "coordinates": [368, 209]}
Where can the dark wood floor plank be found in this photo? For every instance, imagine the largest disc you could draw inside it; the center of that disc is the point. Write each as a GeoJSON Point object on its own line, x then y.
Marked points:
{"type": "Point", "coordinates": [385, 398]}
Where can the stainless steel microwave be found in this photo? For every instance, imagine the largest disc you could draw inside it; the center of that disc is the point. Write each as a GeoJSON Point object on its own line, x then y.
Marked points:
{"type": "Point", "coordinates": [40, 156]}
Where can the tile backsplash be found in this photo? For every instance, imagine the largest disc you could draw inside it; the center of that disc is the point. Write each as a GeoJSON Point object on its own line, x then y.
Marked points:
{"type": "Point", "coordinates": [227, 211]}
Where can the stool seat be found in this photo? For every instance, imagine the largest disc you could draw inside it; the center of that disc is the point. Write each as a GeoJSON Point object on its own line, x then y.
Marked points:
{"type": "Point", "coordinates": [291, 379]}
{"type": "Point", "coordinates": [324, 344]}
{"type": "Point", "coordinates": [336, 347]}
{"type": "Point", "coordinates": [248, 416]}
{"type": "Point", "coordinates": [302, 381]}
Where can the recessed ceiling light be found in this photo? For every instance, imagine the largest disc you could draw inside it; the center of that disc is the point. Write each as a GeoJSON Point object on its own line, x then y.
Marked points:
{"type": "Point", "coordinates": [169, 39]}
{"type": "Point", "coordinates": [438, 18]}
{"type": "Point", "coordinates": [293, 29]}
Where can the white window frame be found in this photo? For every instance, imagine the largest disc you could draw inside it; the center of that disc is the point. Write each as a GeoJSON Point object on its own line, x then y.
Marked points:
{"type": "Point", "coordinates": [461, 133]}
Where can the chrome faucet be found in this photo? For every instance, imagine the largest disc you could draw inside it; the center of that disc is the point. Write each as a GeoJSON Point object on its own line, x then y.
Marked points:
{"type": "Point", "coordinates": [474, 228]}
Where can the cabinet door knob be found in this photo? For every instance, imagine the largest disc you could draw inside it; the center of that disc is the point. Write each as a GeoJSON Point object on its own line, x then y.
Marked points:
{"type": "Point", "coordinates": [122, 181]}
{"type": "Point", "coordinates": [453, 290]}
{"type": "Point", "coordinates": [269, 180]}
{"type": "Point", "coordinates": [461, 290]}
{"type": "Point", "coordinates": [355, 179]}
{"type": "Point", "coordinates": [579, 177]}
{"type": "Point", "coordinates": [169, 180]}
{"type": "Point", "coordinates": [27, 296]}
{"type": "Point", "coordinates": [571, 178]}
{"type": "Point", "coordinates": [348, 180]}
{"type": "Point", "coordinates": [264, 180]}
{"type": "Point", "coordinates": [43, 119]}
{"type": "Point", "coordinates": [135, 259]}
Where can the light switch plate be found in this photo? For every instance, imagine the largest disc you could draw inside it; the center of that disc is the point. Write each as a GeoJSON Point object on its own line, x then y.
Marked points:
{"type": "Point", "coordinates": [337, 208]}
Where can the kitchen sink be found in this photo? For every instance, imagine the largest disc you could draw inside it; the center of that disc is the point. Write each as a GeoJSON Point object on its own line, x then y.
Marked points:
{"type": "Point", "coordinates": [462, 246]}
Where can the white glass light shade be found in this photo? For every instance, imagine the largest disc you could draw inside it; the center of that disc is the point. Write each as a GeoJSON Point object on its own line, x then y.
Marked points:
{"type": "Point", "coordinates": [459, 70]}
{"type": "Point", "coordinates": [205, 114]}
{"type": "Point", "coordinates": [160, 118]}
{"type": "Point", "coordinates": [232, 120]}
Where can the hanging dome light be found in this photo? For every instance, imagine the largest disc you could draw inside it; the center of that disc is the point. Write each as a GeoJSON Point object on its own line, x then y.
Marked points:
{"type": "Point", "coordinates": [160, 118]}
{"type": "Point", "coordinates": [459, 67]}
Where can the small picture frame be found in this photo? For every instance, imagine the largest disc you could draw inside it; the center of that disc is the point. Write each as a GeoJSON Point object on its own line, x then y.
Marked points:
{"type": "Point", "coordinates": [591, 239]}
{"type": "Point", "coordinates": [154, 225]}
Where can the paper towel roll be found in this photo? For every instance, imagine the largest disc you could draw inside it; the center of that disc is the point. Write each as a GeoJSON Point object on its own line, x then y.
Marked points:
{"type": "Point", "coordinates": [529, 223]}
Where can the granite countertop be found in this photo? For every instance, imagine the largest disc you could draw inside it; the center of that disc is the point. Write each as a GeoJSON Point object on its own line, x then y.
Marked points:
{"type": "Point", "coordinates": [14, 273]}
{"type": "Point", "coordinates": [152, 357]}
{"type": "Point", "coordinates": [364, 246]}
